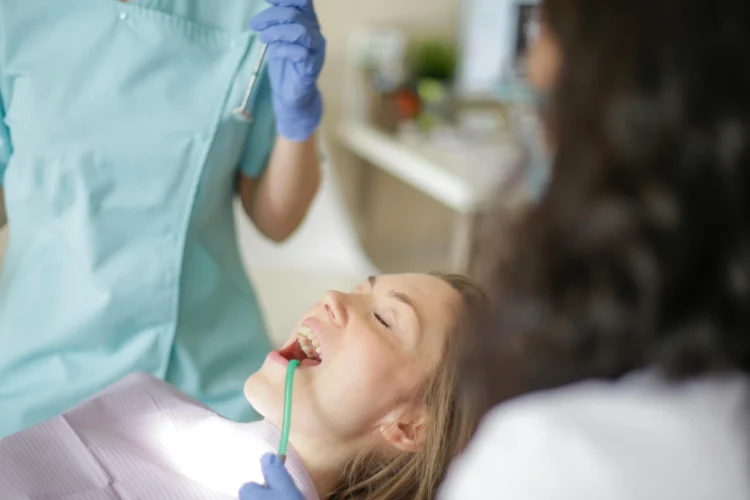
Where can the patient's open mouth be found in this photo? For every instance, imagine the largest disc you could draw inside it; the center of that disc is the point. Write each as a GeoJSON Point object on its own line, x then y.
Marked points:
{"type": "Point", "coordinates": [306, 349]}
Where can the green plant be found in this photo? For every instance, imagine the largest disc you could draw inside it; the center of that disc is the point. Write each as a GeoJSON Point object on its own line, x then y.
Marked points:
{"type": "Point", "coordinates": [435, 60]}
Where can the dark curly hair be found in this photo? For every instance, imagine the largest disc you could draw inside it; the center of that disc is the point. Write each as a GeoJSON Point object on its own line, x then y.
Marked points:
{"type": "Point", "coordinates": [639, 254]}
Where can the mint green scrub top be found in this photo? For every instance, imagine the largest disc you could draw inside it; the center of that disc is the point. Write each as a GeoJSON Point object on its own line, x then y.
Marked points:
{"type": "Point", "coordinates": [118, 157]}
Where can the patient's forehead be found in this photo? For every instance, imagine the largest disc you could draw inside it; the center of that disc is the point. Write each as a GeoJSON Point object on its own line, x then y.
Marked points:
{"type": "Point", "coordinates": [420, 284]}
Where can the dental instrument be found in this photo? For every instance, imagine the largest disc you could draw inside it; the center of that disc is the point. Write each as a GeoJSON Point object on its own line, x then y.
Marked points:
{"type": "Point", "coordinates": [244, 112]}
{"type": "Point", "coordinates": [287, 419]}
{"type": "Point", "coordinates": [284, 442]}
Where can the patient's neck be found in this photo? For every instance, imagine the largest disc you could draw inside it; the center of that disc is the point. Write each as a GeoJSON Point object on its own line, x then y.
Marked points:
{"type": "Point", "coordinates": [323, 460]}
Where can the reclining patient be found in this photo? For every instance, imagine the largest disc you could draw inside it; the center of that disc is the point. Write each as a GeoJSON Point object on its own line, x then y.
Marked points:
{"type": "Point", "coordinates": [375, 413]}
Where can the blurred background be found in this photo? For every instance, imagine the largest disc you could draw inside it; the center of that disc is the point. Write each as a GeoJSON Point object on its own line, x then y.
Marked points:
{"type": "Point", "coordinates": [419, 133]}
{"type": "Point", "coordinates": [423, 106]}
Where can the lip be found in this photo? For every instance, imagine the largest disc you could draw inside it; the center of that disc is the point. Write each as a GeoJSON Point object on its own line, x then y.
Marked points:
{"type": "Point", "coordinates": [277, 358]}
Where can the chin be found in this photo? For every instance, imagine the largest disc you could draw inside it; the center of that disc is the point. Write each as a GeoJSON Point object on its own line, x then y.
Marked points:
{"type": "Point", "coordinates": [262, 396]}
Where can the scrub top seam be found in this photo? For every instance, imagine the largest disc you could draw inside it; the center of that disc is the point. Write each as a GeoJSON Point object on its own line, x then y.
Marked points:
{"type": "Point", "coordinates": [220, 110]}
{"type": "Point", "coordinates": [241, 283]}
{"type": "Point", "coordinates": [194, 30]}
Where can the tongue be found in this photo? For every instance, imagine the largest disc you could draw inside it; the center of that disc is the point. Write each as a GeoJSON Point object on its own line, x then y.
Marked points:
{"type": "Point", "coordinates": [294, 351]}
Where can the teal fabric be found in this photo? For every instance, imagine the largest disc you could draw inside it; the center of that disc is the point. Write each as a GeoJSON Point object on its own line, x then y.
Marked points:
{"type": "Point", "coordinates": [4, 141]}
{"type": "Point", "coordinates": [120, 169]}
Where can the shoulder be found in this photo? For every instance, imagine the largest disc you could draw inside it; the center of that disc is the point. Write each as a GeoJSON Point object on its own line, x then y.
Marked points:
{"type": "Point", "coordinates": [630, 439]}
{"type": "Point", "coordinates": [141, 382]}
{"type": "Point", "coordinates": [139, 395]}
{"type": "Point", "coordinates": [528, 449]}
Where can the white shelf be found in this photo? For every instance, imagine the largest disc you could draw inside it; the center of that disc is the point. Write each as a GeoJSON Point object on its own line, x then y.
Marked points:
{"type": "Point", "coordinates": [461, 176]}
{"type": "Point", "coordinates": [452, 177]}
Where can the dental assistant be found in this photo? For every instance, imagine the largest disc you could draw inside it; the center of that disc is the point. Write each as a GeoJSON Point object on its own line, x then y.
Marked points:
{"type": "Point", "coordinates": [120, 156]}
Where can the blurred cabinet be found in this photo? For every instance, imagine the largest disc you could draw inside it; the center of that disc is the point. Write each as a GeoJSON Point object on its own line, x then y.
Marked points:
{"type": "Point", "coordinates": [462, 179]}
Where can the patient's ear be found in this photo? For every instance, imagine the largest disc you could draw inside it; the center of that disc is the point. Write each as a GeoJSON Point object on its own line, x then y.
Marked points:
{"type": "Point", "coordinates": [406, 429]}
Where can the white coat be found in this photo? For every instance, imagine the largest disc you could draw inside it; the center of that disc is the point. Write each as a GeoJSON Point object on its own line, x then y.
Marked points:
{"type": "Point", "coordinates": [638, 439]}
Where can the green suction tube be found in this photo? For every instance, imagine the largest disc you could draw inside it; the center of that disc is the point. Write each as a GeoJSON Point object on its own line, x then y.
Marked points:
{"type": "Point", "coordinates": [287, 408]}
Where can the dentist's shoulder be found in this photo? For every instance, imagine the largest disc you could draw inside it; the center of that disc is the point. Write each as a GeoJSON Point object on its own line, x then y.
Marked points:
{"type": "Point", "coordinates": [638, 438]}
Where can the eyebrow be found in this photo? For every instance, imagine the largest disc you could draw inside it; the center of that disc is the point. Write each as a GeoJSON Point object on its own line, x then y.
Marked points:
{"type": "Point", "coordinates": [401, 297]}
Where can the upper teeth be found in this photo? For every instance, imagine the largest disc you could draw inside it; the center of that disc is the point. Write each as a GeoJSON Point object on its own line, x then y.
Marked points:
{"type": "Point", "coordinates": [309, 342]}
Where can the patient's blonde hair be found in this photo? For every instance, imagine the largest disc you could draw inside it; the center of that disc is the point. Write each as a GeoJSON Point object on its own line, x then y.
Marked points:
{"type": "Point", "coordinates": [416, 476]}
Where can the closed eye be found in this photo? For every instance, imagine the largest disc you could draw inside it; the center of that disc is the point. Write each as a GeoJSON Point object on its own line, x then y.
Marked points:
{"type": "Point", "coordinates": [381, 320]}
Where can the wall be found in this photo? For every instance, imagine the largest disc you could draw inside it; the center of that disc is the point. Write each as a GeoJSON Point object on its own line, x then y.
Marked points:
{"type": "Point", "coordinates": [339, 19]}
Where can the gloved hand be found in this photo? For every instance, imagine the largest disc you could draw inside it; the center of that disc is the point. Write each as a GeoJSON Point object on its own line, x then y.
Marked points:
{"type": "Point", "coordinates": [296, 52]}
{"type": "Point", "coordinates": [279, 484]}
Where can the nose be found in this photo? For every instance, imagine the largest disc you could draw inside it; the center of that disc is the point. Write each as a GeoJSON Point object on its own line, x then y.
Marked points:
{"type": "Point", "coordinates": [335, 306]}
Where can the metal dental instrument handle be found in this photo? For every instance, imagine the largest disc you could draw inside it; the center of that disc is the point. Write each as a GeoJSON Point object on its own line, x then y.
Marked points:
{"type": "Point", "coordinates": [244, 111]}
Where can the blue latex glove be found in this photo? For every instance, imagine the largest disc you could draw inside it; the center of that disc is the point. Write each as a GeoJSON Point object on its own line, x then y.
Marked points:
{"type": "Point", "coordinates": [296, 52]}
{"type": "Point", "coordinates": [279, 484]}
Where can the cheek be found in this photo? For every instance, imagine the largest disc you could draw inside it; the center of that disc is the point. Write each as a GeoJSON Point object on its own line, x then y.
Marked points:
{"type": "Point", "coordinates": [382, 377]}
{"type": "Point", "coordinates": [376, 359]}
{"type": "Point", "coordinates": [543, 64]}
{"type": "Point", "coordinates": [362, 366]}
